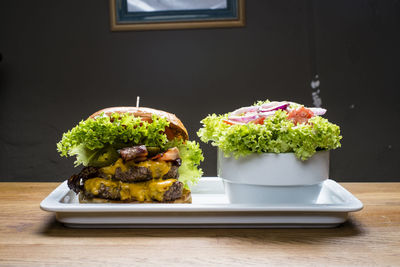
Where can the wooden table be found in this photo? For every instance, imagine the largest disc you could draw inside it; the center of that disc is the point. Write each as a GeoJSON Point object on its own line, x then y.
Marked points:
{"type": "Point", "coordinates": [32, 237]}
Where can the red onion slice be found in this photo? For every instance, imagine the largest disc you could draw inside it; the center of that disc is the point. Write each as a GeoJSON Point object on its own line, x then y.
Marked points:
{"type": "Point", "coordinates": [274, 106]}
{"type": "Point", "coordinates": [245, 115]}
{"type": "Point", "coordinates": [244, 110]}
{"type": "Point", "coordinates": [267, 114]}
{"type": "Point", "coordinates": [318, 111]}
{"type": "Point", "coordinates": [243, 119]}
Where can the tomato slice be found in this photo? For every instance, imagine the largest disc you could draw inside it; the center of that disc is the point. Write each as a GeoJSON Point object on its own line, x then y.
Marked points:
{"type": "Point", "coordinates": [228, 122]}
{"type": "Point", "coordinates": [259, 120]}
{"type": "Point", "coordinates": [300, 115]}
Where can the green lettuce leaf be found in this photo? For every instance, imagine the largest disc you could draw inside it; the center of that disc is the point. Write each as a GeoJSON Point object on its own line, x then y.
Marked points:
{"type": "Point", "coordinates": [121, 128]}
{"type": "Point", "coordinates": [276, 135]}
{"type": "Point", "coordinates": [191, 156]}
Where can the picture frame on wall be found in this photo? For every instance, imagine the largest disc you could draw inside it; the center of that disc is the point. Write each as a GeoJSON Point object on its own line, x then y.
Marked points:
{"type": "Point", "coordinates": [131, 15]}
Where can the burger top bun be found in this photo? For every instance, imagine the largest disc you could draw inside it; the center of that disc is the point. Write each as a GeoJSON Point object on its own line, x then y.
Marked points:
{"type": "Point", "coordinates": [175, 129]}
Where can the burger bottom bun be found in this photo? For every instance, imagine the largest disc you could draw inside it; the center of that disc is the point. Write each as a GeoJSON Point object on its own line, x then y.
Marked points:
{"type": "Point", "coordinates": [185, 198]}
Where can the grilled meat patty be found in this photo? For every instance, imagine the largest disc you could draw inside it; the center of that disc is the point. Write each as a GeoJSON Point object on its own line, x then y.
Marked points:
{"type": "Point", "coordinates": [114, 192]}
{"type": "Point", "coordinates": [142, 174]}
{"type": "Point", "coordinates": [75, 183]}
{"type": "Point", "coordinates": [133, 175]}
{"type": "Point", "coordinates": [174, 192]}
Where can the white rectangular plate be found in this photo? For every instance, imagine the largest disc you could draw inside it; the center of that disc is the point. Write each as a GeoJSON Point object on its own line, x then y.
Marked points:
{"type": "Point", "coordinates": [210, 209]}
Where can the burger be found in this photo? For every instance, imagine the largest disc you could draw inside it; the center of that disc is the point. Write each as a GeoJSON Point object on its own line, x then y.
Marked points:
{"type": "Point", "coordinates": [132, 155]}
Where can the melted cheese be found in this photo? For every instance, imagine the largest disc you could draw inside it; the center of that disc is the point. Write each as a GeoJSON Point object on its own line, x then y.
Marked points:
{"type": "Point", "coordinates": [144, 191]}
{"type": "Point", "coordinates": [158, 168]}
{"type": "Point", "coordinates": [157, 188]}
{"type": "Point", "coordinates": [93, 185]}
{"type": "Point", "coordinates": [110, 170]}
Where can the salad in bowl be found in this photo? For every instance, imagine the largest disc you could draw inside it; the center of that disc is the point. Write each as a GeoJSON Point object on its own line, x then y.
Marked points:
{"type": "Point", "coordinates": [269, 147]}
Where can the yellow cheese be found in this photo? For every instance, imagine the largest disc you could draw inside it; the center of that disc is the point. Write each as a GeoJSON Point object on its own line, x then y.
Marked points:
{"type": "Point", "coordinates": [110, 170]}
{"type": "Point", "coordinates": [93, 185]}
{"type": "Point", "coordinates": [138, 191]}
{"type": "Point", "coordinates": [157, 188]}
{"type": "Point", "coordinates": [158, 168]}
{"type": "Point", "coordinates": [143, 191]}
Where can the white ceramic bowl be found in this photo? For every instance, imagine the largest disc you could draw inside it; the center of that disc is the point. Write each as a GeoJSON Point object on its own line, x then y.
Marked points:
{"type": "Point", "coordinates": [273, 178]}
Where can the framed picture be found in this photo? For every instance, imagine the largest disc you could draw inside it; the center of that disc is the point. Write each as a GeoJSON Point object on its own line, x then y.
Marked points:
{"type": "Point", "coordinates": [130, 15]}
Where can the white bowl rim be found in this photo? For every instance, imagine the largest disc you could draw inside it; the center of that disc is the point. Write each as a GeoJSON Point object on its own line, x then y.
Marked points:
{"type": "Point", "coordinates": [274, 169]}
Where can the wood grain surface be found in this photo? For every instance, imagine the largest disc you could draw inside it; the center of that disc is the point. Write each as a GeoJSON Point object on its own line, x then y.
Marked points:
{"type": "Point", "coordinates": [32, 237]}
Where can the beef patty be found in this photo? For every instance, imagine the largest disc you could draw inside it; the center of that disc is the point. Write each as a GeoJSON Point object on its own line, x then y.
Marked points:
{"type": "Point", "coordinates": [113, 193]}
{"type": "Point", "coordinates": [75, 182]}
{"type": "Point", "coordinates": [142, 174]}
{"type": "Point", "coordinates": [133, 175]}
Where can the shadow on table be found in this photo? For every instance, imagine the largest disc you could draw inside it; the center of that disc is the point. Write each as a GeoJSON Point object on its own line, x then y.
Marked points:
{"type": "Point", "coordinates": [351, 228]}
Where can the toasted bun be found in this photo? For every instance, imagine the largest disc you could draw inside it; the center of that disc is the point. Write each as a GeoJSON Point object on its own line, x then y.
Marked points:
{"type": "Point", "coordinates": [175, 129]}
{"type": "Point", "coordinates": [185, 198]}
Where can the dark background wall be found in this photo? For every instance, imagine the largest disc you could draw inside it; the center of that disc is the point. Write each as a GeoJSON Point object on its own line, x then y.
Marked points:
{"type": "Point", "coordinates": [60, 63]}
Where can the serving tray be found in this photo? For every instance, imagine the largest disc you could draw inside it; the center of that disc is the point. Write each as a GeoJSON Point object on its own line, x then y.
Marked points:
{"type": "Point", "coordinates": [210, 209]}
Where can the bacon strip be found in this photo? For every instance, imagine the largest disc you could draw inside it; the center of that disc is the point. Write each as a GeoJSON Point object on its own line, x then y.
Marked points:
{"type": "Point", "coordinates": [133, 152]}
{"type": "Point", "coordinates": [169, 155]}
